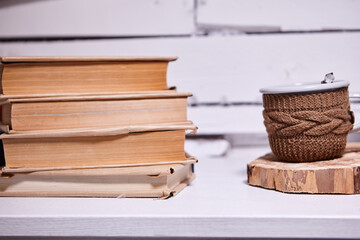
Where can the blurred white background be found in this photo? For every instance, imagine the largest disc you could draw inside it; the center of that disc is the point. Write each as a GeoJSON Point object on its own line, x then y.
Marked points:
{"type": "Point", "coordinates": [227, 49]}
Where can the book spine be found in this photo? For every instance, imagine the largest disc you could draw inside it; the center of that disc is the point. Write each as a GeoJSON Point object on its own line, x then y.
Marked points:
{"type": "Point", "coordinates": [1, 75]}
{"type": "Point", "coordinates": [5, 117]}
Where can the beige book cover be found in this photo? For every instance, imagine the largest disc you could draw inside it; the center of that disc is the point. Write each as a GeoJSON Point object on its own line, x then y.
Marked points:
{"type": "Point", "coordinates": [155, 181]}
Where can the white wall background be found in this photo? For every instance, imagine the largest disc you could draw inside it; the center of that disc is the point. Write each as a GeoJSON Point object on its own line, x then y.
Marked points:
{"type": "Point", "coordinates": [227, 49]}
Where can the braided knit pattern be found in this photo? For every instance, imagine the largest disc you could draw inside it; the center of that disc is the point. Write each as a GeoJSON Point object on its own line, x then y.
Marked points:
{"type": "Point", "coordinates": [310, 123]}
{"type": "Point", "coordinates": [308, 126]}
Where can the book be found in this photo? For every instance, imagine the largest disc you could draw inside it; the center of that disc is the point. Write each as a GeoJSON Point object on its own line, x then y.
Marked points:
{"type": "Point", "coordinates": [154, 143]}
{"type": "Point", "coordinates": [62, 75]}
{"type": "Point", "coordinates": [69, 112]}
{"type": "Point", "coordinates": [157, 181]}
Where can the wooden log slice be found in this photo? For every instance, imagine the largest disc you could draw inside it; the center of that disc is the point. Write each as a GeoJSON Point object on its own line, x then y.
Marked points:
{"type": "Point", "coordinates": [337, 176]}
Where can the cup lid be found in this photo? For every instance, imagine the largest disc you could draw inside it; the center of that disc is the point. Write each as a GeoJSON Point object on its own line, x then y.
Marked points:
{"type": "Point", "coordinates": [305, 87]}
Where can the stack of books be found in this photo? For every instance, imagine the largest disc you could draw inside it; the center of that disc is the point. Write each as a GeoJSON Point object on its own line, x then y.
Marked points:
{"type": "Point", "coordinates": [95, 127]}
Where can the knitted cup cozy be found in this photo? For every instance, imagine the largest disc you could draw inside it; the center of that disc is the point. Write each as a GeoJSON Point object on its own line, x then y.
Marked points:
{"type": "Point", "coordinates": [305, 127]}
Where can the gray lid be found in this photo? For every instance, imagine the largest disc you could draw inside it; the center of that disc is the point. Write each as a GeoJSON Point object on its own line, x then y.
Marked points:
{"type": "Point", "coordinates": [305, 87]}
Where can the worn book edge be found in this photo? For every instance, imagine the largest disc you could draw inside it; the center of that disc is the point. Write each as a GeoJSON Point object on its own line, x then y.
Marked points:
{"type": "Point", "coordinates": [4, 99]}
{"type": "Point", "coordinates": [43, 95]}
{"type": "Point", "coordinates": [9, 170]}
{"type": "Point", "coordinates": [24, 59]}
{"type": "Point", "coordinates": [91, 132]}
{"type": "Point", "coordinates": [173, 192]}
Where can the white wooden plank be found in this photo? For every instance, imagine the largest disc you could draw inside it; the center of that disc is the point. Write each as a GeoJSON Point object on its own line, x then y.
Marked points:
{"type": "Point", "coordinates": [241, 125]}
{"type": "Point", "coordinates": [231, 68]}
{"type": "Point", "coordinates": [272, 15]}
{"type": "Point", "coordinates": [82, 18]}
{"type": "Point", "coordinates": [202, 147]}
{"type": "Point", "coordinates": [217, 120]}
{"type": "Point", "coordinates": [219, 203]}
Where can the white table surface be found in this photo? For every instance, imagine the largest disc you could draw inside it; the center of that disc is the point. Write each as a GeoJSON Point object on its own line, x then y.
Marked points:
{"type": "Point", "coordinates": [219, 203]}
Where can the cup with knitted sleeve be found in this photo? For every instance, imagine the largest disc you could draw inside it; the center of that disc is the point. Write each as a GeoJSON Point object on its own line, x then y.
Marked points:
{"type": "Point", "coordinates": [309, 121]}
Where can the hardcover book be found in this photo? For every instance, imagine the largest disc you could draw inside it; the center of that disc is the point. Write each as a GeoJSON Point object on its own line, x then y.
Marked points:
{"type": "Point", "coordinates": [62, 75]}
{"type": "Point", "coordinates": [157, 181]}
{"type": "Point", "coordinates": [70, 112]}
{"type": "Point", "coordinates": [96, 146]}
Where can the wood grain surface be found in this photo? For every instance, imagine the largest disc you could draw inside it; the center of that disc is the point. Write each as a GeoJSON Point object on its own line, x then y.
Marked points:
{"type": "Point", "coordinates": [337, 176]}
